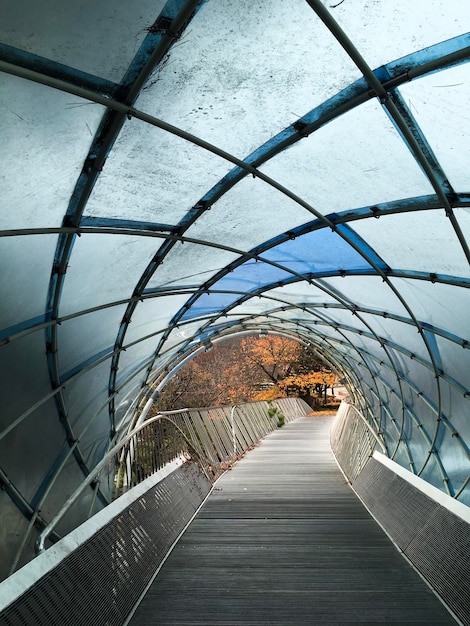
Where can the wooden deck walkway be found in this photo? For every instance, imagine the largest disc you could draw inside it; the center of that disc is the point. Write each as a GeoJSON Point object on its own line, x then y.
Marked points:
{"type": "Point", "coordinates": [284, 540]}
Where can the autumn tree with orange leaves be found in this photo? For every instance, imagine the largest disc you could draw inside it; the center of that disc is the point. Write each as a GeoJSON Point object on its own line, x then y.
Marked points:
{"type": "Point", "coordinates": [247, 369]}
{"type": "Point", "coordinates": [311, 385]}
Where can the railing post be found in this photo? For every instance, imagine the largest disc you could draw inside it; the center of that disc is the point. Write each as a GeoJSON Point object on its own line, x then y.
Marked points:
{"type": "Point", "coordinates": [232, 422]}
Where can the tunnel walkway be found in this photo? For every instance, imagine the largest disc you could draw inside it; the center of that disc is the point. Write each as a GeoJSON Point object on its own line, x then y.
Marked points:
{"type": "Point", "coordinates": [284, 540]}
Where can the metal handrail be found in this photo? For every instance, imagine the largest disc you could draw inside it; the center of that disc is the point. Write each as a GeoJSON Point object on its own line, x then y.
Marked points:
{"type": "Point", "coordinates": [374, 434]}
{"type": "Point", "coordinates": [93, 475]}
{"type": "Point", "coordinates": [220, 436]}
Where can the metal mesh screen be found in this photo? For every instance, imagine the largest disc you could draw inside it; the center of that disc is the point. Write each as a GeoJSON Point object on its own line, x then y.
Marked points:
{"type": "Point", "coordinates": [100, 582]}
{"type": "Point", "coordinates": [435, 540]}
{"type": "Point", "coordinates": [351, 441]}
{"type": "Point", "coordinates": [441, 551]}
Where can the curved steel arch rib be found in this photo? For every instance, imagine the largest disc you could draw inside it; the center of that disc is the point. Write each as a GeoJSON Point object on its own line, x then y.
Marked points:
{"type": "Point", "coordinates": [304, 258]}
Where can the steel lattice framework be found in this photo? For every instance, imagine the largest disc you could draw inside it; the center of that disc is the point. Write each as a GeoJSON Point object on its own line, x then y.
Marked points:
{"type": "Point", "coordinates": [175, 173]}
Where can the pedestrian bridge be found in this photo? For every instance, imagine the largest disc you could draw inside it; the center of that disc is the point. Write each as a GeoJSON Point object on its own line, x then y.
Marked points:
{"type": "Point", "coordinates": [283, 539]}
{"type": "Point", "coordinates": [230, 530]}
{"type": "Point", "coordinates": [175, 173]}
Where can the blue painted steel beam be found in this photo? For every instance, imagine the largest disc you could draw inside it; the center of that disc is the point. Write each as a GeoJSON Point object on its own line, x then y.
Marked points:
{"type": "Point", "coordinates": [148, 56]}
{"type": "Point", "coordinates": [337, 112]}
{"type": "Point", "coordinates": [50, 68]}
{"type": "Point", "coordinates": [273, 147]}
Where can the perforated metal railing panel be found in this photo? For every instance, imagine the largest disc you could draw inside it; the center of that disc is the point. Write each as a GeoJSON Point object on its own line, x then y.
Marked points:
{"type": "Point", "coordinates": [404, 508]}
{"type": "Point", "coordinates": [101, 581]}
{"type": "Point", "coordinates": [435, 540]}
{"type": "Point", "coordinates": [284, 541]}
{"type": "Point", "coordinates": [441, 551]}
{"type": "Point", "coordinates": [351, 441]}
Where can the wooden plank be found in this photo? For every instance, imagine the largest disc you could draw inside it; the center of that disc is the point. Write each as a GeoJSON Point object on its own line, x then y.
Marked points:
{"type": "Point", "coordinates": [283, 540]}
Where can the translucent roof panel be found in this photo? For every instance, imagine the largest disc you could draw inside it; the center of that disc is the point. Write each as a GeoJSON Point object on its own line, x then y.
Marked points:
{"type": "Point", "coordinates": [105, 270]}
{"type": "Point", "coordinates": [82, 348]}
{"type": "Point", "coordinates": [112, 37]}
{"type": "Point", "coordinates": [226, 72]}
{"type": "Point", "coordinates": [395, 239]}
{"type": "Point", "coordinates": [441, 305]}
{"type": "Point", "coordinates": [180, 171]}
{"type": "Point", "coordinates": [366, 291]}
{"type": "Point", "coordinates": [251, 212]}
{"type": "Point", "coordinates": [142, 176]}
{"type": "Point", "coordinates": [357, 174]}
{"type": "Point", "coordinates": [463, 220]}
{"type": "Point", "coordinates": [27, 301]}
{"type": "Point", "coordinates": [189, 264]}
{"type": "Point", "coordinates": [383, 36]}
{"type": "Point", "coordinates": [52, 130]}
{"type": "Point", "coordinates": [427, 98]}
{"type": "Point", "coordinates": [152, 316]}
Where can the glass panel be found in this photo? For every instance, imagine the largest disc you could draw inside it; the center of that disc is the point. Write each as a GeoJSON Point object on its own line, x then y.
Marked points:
{"type": "Point", "coordinates": [424, 383]}
{"type": "Point", "coordinates": [125, 405]}
{"type": "Point", "coordinates": [455, 459]}
{"type": "Point", "coordinates": [257, 91]}
{"type": "Point", "coordinates": [28, 452]}
{"type": "Point", "coordinates": [416, 437]}
{"type": "Point", "coordinates": [436, 249]}
{"type": "Point", "coordinates": [94, 445]}
{"type": "Point", "coordinates": [135, 358]}
{"type": "Point", "coordinates": [432, 474]}
{"type": "Point", "coordinates": [142, 176]}
{"type": "Point", "coordinates": [441, 100]}
{"type": "Point", "coordinates": [383, 32]}
{"type": "Point", "coordinates": [463, 218]}
{"type": "Point", "coordinates": [190, 264]}
{"type": "Point", "coordinates": [387, 427]}
{"type": "Point", "coordinates": [402, 455]}
{"type": "Point", "coordinates": [317, 252]}
{"type": "Point", "coordinates": [182, 333]}
{"type": "Point", "coordinates": [97, 36]}
{"type": "Point", "coordinates": [209, 304]}
{"type": "Point", "coordinates": [396, 332]}
{"type": "Point", "coordinates": [20, 524]}
{"type": "Point", "coordinates": [103, 269]}
{"type": "Point", "coordinates": [342, 317]}
{"type": "Point", "coordinates": [250, 213]}
{"type": "Point", "coordinates": [254, 306]}
{"type": "Point", "coordinates": [442, 306]}
{"type": "Point", "coordinates": [24, 373]}
{"type": "Point", "coordinates": [455, 463]}
{"type": "Point", "coordinates": [454, 362]}
{"type": "Point", "coordinates": [333, 180]}
{"type": "Point", "coordinates": [368, 292]}
{"type": "Point", "coordinates": [301, 292]}
{"type": "Point", "coordinates": [78, 346]}
{"type": "Point", "coordinates": [70, 478]}
{"type": "Point", "coordinates": [160, 363]}
{"type": "Point", "coordinates": [85, 398]}
{"type": "Point", "coordinates": [152, 316]}
{"type": "Point", "coordinates": [23, 292]}
{"type": "Point", "coordinates": [251, 276]}
{"type": "Point", "coordinates": [393, 419]}
{"type": "Point", "coordinates": [176, 339]}
{"type": "Point", "coordinates": [49, 133]}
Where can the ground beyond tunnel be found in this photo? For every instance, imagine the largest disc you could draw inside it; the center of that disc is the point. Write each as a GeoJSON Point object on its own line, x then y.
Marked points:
{"type": "Point", "coordinates": [284, 540]}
